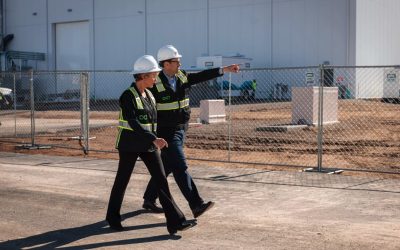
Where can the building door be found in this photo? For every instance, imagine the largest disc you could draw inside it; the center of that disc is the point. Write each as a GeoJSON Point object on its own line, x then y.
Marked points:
{"type": "Point", "coordinates": [72, 47]}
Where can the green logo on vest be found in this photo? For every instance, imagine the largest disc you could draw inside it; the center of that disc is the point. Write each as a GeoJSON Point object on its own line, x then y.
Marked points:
{"type": "Point", "coordinates": [143, 117]}
{"type": "Point", "coordinates": [166, 98]}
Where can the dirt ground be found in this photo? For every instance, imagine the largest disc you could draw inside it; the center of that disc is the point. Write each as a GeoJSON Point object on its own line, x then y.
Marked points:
{"type": "Point", "coordinates": [367, 137]}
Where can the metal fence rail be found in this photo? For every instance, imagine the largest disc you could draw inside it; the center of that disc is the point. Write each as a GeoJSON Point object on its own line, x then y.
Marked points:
{"type": "Point", "coordinates": [311, 117]}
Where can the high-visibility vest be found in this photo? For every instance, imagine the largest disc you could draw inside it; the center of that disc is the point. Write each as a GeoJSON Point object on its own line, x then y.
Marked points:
{"type": "Point", "coordinates": [165, 104]}
{"type": "Point", "coordinates": [141, 115]}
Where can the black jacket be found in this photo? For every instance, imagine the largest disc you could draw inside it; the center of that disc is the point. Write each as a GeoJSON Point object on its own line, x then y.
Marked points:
{"type": "Point", "coordinates": [179, 117]}
{"type": "Point", "coordinates": [138, 140]}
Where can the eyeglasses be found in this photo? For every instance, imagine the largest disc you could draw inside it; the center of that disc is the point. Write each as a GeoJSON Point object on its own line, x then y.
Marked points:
{"type": "Point", "coordinates": [177, 61]}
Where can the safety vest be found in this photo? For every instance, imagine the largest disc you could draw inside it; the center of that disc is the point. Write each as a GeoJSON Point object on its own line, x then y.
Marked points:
{"type": "Point", "coordinates": [254, 85]}
{"type": "Point", "coordinates": [141, 115]}
{"type": "Point", "coordinates": [164, 101]}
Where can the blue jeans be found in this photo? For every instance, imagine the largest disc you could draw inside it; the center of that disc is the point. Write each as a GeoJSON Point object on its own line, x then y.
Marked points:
{"type": "Point", "coordinates": [175, 162]}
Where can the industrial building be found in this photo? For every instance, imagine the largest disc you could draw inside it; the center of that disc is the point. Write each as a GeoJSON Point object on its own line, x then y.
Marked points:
{"type": "Point", "coordinates": [99, 35]}
{"type": "Point", "coordinates": [110, 35]}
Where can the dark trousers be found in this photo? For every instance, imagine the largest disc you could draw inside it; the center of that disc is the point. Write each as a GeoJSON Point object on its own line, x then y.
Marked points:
{"type": "Point", "coordinates": [175, 162]}
{"type": "Point", "coordinates": [153, 162]}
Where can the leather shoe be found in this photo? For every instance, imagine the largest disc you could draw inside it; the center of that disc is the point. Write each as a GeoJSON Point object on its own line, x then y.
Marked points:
{"type": "Point", "coordinates": [199, 210]}
{"type": "Point", "coordinates": [152, 206]}
{"type": "Point", "coordinates": [181, 227]}
{"type": "Point", "coordinates": [115, 224]}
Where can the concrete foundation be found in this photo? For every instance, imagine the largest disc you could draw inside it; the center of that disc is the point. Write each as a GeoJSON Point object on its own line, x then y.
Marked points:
{"type": "Point", "coordinates": [305, 105]}
{"type": "Point", "coordinates": [212, 111]}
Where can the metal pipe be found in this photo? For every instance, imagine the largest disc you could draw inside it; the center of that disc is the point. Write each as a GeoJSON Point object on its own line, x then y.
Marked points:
{"type": "Point", "coordinates": [320, 117]}
{"type": "Point", "coordinates": [230, 119]}
{"type": "Point", "coordinates": [15, 105]}
{"type": "Point", "coordinates": [32, 109]}
{"type": "Point", "coordinates": [84, 111]}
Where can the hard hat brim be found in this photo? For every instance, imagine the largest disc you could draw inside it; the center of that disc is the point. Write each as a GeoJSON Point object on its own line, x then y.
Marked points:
{"type": "Point", "coordinates": [169, 58]}
{"type": "Point", "coordinates": [134, 72]}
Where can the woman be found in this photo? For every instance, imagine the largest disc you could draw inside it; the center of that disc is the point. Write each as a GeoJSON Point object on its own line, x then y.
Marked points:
{"type": "Point", "coordinates": [137, 138]}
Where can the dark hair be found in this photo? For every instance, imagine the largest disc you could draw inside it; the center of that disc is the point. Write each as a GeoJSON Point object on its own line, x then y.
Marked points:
{"type": "Point", "coordinates": [161, 63]}
{"type": "Point", "coordinates": [138, 77]}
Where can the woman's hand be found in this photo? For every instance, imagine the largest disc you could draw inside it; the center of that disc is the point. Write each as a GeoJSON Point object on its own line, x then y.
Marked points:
{"type": "Point", "coordinates": [160, 143]}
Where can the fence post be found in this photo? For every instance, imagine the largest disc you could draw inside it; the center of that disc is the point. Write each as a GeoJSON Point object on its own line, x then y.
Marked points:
{"type": "Point", "coordinates": [230, 119]}
{"type": "Point", "coordinates": [32, 94]}
{"type": "Point", "coordinates": [320, 116]}
{"type": "Point", "coordinates": [15, 105]}
{"type": "Point", "coordinates": [84, 111]}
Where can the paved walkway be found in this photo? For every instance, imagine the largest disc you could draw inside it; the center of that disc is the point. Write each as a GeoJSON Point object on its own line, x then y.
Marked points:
{"type": "Point", "coordinates": [49, 202]}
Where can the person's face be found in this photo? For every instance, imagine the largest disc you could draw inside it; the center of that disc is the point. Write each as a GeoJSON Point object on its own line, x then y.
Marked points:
{"type": "Point", "coordinates": [149, 79]}
{"type": "Point", "coordinates": [172, 65]}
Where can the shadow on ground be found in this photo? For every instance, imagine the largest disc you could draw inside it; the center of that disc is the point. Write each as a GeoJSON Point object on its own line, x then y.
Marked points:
{"type": "Point", "coordinates": [59, 238]}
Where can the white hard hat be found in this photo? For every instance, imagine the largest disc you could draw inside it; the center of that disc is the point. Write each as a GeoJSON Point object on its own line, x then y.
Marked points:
{"type": "Point", "coordinates": [167, 52]}
{"type": "Point", "coordinates": [145, 64]}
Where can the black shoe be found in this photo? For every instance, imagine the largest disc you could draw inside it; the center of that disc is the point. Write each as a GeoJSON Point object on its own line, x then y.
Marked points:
{"type": "Point", "coordinates": [202, 208]}
{"type": "Point", "coordinates": [152, 206]}
{"type": "Point", "coordinates": [181, 227]}
{"type": "Point", "coordinates": [115, 224]}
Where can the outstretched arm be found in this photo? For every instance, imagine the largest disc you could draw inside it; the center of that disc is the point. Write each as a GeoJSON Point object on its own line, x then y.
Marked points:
{"type": "Point", "coordinates": [209, 74]}
{"type": "Point", "coordinates": [234, 68]}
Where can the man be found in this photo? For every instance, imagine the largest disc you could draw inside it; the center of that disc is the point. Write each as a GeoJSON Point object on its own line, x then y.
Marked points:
{"type": "Point", "coordinates": [171, 92]}
{"type": "Point", "coordinates": [137, 138]}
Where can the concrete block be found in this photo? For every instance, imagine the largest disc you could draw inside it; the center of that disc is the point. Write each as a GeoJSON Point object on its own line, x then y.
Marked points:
{"type": "Point", "coordinates": [212, 111]}
{"type": "Point", "coordinates": [305, 105]}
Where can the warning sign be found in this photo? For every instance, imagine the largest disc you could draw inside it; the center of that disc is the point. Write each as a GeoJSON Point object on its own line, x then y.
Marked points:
{"type": "Point", "coordinates": [391, 77]}
{"type": "Point", "coordinates": [309, 78]}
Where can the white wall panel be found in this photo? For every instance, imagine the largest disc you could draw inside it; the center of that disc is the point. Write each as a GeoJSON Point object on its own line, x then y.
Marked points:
{"type": "Point", "coordinates": [30, 31]}
{"type": "Point", "coordinates": [180, 23]}
{"type": "Point", "coordinates": [119, 33]}
{"type": "Point", "coordinates": [274, 33]}
{"type": "Point", "coordinates": [378, 36]}
{"type": "Point", "coordinates": [20, 12]}
{"type": "Point", "coordinates": [80, 10]}
{"type": "Point", "coordinates": [242, 27]}
{"type": "Point", "coordinates": [309, 32]}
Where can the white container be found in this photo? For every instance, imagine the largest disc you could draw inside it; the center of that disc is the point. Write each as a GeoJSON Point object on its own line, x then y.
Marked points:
{"type": "Point", "coordinates": [212, 111]}
{"type": "Point", "coordinates": [305, 105]}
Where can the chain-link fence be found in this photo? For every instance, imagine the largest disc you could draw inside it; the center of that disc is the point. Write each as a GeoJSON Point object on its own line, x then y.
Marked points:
{"type": "Point", "coordinates": [310, 117]}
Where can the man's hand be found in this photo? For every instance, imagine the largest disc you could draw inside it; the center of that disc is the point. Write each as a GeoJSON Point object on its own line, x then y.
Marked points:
{"type": "Point", "coordinates": [234, 68]}
{"type": "Point", "coordinates": [160, 143]}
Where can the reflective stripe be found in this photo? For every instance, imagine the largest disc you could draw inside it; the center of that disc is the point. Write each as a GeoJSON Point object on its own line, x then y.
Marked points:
{"type": "Point", "coordinates": [173, 105]}
{"type": "Point", "coordinates": [159, 85]}
{"type": "Point", "coordinates": [139, 103]}
{"type": "Point", "coordinates": [182, 77]}
{"type": "Point", "coordinates": [123, 124]}
{"type": "Point", "coordinates": [184, 103]}
{"type": "Point", "coordinates": [148, 126]}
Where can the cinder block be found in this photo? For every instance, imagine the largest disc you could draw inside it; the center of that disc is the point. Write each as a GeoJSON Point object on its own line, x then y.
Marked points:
{"type": "Point", "coordinates": [305, 105]}
{"type": "Point", "coordinates": [212, 111]}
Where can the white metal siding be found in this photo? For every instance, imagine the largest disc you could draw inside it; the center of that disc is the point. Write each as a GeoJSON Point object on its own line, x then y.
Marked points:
{"type": "Point", "coordinates": [119, 33]}
{"type": "Point", "coordinates": [309, 32]}
{"type": "Point", "coordinates": [243, 27]}
{"type": "Point", "coordinates": [378, 36]}
{"type": "Point", "coordinates": [30, 31]}
{"type": "Point", "coordinates": [181, 23]}
{"type": "Point", "coordinates": [274, 33]}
